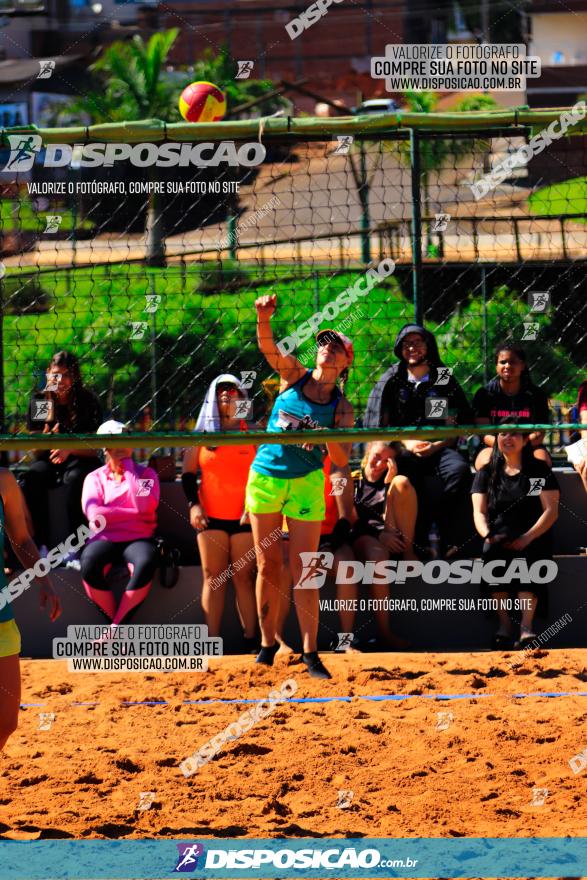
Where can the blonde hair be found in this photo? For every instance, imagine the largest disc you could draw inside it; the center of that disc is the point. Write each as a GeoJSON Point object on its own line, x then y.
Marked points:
{"type": "Point", "coordinates": [370, 444]}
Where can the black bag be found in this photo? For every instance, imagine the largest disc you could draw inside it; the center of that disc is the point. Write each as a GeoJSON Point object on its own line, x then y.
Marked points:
{"type": "Point", "coordinates": [168, 558]}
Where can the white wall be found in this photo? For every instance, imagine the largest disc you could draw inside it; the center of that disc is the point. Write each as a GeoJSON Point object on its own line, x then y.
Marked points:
{"type": "Point", "coordinates": [564, 32]}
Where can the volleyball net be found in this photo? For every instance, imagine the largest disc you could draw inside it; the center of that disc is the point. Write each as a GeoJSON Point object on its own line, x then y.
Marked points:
{"type": "Point", "coordinates": [142, 248]}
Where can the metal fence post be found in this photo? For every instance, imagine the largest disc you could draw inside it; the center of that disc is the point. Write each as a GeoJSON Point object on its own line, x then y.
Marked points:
{"type": "Point", "coordinates": [416, 226]}
{"type": "Point", "coordinates": [485, 340]}
{"type": "Point", "coordinates": [364, 198]}
{"type": "Point", "coordinates": [3, 455]}
{"type": "Point", "coordinates": [153, 287]}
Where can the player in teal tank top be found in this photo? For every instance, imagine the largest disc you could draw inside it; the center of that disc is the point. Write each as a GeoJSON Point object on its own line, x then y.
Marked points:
{"type": "Point", "coordinates": [13, 522]}
{"type": "Point", "coordinates": [288, 480]}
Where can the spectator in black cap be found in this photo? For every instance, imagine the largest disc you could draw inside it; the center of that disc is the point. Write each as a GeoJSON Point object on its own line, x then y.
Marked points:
{"type": "Point", "coordinates": [419, 390]}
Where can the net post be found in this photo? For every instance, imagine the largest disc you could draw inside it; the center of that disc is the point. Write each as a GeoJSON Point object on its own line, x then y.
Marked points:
{"type": "Point", "coordinates": [563, 239]}
{"type": "Point", "coordinates": [364, 198]}
{"type": "Point", "coordinates": [153, 288]}
{"type": "Point", "coordinates": [484, 296]}
{"type": "Point", "coordinates": [4, 457]}
{"type": "Point", "coordinates": [416, 226]}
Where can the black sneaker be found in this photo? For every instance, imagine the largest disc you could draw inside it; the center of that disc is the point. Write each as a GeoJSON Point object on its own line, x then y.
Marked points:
{"type": "Point", "coordinates": [267, 655]}
{"type": "Point", "coordinates": [250, 644]}
{"type": "Point", "coordinates": [315, 666]}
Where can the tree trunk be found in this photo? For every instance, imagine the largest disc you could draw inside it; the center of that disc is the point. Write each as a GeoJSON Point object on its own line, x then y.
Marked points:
{"type": "Point", "coordinates": [155, 233]}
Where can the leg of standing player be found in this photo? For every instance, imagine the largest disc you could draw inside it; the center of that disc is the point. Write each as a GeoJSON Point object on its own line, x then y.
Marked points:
{"type": "Point", "coordinates": [244, 581]}
{"type": "Point", "coordinates": [214, 547]}
{"type": "Point", "coordinates": [269, 573]}
{"type": "Point", "coordinates": [9, 696]}
{"type": "Point", "coordinates": [304, 537]}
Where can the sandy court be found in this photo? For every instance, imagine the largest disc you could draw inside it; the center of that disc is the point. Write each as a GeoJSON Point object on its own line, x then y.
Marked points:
{"type": "Point", "coordinates": [84, 777]}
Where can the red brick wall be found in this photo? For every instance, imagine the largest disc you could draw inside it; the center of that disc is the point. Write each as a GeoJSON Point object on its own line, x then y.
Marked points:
{"type": "Point", "coordinates": [333, 54]}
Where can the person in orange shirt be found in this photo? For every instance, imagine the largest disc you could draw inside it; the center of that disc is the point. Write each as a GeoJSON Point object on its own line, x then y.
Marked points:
{"type": "Point", "coordinates": [217, 507]}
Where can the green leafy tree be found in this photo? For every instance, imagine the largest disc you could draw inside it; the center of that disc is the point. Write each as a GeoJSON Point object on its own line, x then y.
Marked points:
{"type": "Point", "coordinates": [461, 336]}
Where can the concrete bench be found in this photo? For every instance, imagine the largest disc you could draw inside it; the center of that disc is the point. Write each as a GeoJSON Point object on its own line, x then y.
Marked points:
{"type": "Point", "coordinates": [427, 630]}
{"type": "Point", "coordinates": [570, 531]}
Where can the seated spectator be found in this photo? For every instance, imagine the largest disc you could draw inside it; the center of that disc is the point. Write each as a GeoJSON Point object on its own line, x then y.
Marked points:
{"type": "Point", "coordinates": [217, 509]}
{"type": "Point", "coordinates": [127, 496]}
{"type": "Point", "coordinates": [335, 531]}
{"type": "Point", "coordinates": [581, 469]}
{"type": "Point", "coordinates": [512, 393]}
{"type": "Point", "coordinates": [65, 406]}
{"type": "Point", "coordinates": [515, 524]}
{"type": "Point", "coordinates": [382, 524]}
{"type": "Point", "coordinates": [420, 391]}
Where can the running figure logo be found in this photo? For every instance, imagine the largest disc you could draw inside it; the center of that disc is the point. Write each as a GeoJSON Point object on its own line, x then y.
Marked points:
{"type": "Point", "coordinates": [153, 301]}
{"type": "Point", "coordinates": [42, 411]}
{"type": "Point", "coordinates": [139, 328]}
{"type": "Point", "coordinates": [144, 487]}
{"type": "Point", "coordinates": [243, 409]}
{"type": "Point", "coordinates": [443, 375]}
{"type": "Point", "coordinates": [444, 720]}
{"type": "Point", "coordinates": [345, 797]}
{"type": "Point", "coordinates": [436, 407]}
{"type": "Point", "coordinates": [187, 860]}
{"type": "Point", "coordinates": [338, 485]}
{"type": "Point", "coordinates": [536, 485]}
{"type": "Point", "coordinates": [441, 222]}
{"type": "Point", "coordinates": [46, 720]}
{"type": "Point", "coordinates": [344, 144]}
{"type": "Point", "coordinates": [315, 567]}
{"type": "Point", "coordinates": [345, 641]}
{"type": "Point", "coordinates": [245, 69]}
{"type": "Point", "coordinates": [531, 329]}
{"type": "Point", "coordinates": [539, 301]}
{"type": "Point", "coordinates": [53, 222]}
{"type": "Point", "coordinates": [23, 150]}
{"type": "Point", "coordinates": [46, 69]}
{"type": "Point", "coordinates": [539, 796]}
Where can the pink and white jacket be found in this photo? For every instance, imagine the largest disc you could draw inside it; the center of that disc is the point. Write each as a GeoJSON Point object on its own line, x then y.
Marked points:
{"type": "Point", "coordinates": [129, 506]}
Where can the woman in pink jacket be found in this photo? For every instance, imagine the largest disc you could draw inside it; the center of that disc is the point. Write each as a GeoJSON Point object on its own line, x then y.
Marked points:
{"type": "Point", "coordinates": [127, 496]}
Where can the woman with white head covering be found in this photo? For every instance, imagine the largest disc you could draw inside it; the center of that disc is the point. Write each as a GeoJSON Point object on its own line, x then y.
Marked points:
{"type": "Point", "coordinates": [217, 506]}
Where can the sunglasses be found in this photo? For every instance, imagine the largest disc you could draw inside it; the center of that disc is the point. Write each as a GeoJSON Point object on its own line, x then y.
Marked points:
{"type": "Point", "coordinates": [330, 340]}
{"type": "Point", "coordinates": [226, 386]}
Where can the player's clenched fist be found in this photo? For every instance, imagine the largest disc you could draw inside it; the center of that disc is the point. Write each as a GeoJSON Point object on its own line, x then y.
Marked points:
{"type": "Point", "coordinates": [266, 306]}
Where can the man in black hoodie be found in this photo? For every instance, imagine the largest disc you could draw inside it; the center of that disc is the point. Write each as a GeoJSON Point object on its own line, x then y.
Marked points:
{"type": "Point", "coordinates": [420, 391]}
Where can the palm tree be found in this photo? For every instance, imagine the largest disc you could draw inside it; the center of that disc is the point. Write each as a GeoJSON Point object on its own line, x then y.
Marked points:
{"type": "Point", "coordinates": [136, 85]}
{"type": "Point", "coordinates": [136, 89]}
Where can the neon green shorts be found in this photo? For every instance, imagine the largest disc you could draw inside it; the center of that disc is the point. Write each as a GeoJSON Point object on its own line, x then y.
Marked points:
{"type": "Point", "coordinates": [9, 638]}
{"type": "Point", "coordinates": [301, 498]}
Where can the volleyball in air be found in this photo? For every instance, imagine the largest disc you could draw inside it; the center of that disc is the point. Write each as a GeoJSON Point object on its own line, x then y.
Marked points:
{"type": "Point", "coordinates": [202, 102]}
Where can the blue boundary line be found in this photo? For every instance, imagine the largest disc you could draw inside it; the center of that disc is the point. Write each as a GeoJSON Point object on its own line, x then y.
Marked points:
{"type": "Point", "coordinates": [377, 698]}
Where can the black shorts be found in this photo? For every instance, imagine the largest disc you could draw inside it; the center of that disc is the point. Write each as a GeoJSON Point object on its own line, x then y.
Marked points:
{"type": "Point", "coordinates": [362, 529]}
{"type": "Point", "coordinates": [230, 526]}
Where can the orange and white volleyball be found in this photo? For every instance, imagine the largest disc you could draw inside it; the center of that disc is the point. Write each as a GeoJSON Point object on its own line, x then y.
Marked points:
{"type": "Point", "coordinates": [202, 102]}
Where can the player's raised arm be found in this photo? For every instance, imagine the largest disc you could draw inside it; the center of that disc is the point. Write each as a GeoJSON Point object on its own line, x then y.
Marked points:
{"type": "Point", "coordinates": [288, 366]}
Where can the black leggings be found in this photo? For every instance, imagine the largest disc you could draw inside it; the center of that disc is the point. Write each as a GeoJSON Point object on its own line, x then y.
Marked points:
{"type": "Point", "coordinates": [44, 475]}
{"type": "Point", "coordinates": [98, 557]}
